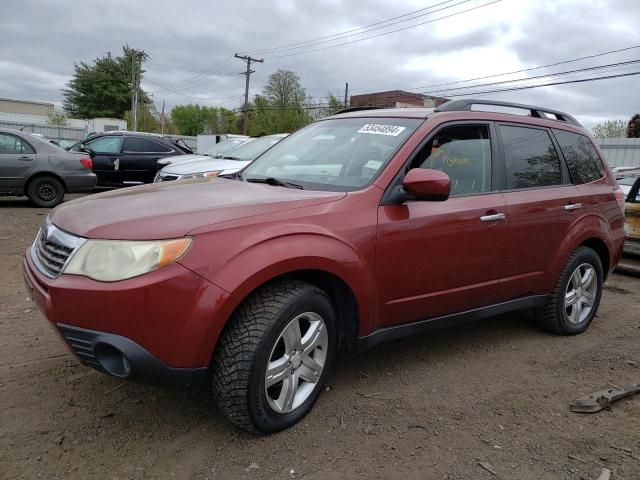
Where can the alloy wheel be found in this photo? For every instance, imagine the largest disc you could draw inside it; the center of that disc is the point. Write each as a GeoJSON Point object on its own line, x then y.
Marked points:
{"type": "Point", "coordinates": [581, 293]}
{"type": "Point", "coordinates": [296, 362]}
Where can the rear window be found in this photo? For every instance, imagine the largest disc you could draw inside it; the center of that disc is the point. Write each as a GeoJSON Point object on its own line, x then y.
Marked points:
{"type": "Point", "coordinates": [144, 145]}
{"type": "Point", "coordinates": [581, 156]}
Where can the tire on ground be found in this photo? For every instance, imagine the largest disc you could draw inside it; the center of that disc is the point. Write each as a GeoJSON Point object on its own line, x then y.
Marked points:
{"type": "Point", "coordinates": [239, 363]}
{"type": "Point", "coordinates": [45, 191]}
{"type": "Point", "coordinates": [553, 317]}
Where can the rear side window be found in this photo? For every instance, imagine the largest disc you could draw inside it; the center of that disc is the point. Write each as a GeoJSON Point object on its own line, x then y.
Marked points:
{"type": "Point", "coordinates": [581, 156]}
{"type": "Point", "coordinates": [530, 157]}
{"type": "Point", "coordinates": [463, 152]}
{"type": "Point", "coordinates": [144, 145]}
{"type": "Point", "coordinates": [10, 144]}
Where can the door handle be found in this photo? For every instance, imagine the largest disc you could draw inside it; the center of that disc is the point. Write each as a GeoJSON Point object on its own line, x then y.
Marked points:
{"type": "Point", "coordinates": [25, 159]}
{"type": "Point", "coordinates": [492, 218]}
{"type": "Point", "coordinates": [573, 206]}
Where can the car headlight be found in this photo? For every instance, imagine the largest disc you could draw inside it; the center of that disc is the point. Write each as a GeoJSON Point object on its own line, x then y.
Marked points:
{"type": "Point", "coordinates": [113, 260]}
{"type": "Point", "coordinates": [200, 175]}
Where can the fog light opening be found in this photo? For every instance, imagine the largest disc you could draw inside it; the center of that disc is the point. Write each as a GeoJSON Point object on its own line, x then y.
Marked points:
{"type": "Point", "coordinates": [112, 360]}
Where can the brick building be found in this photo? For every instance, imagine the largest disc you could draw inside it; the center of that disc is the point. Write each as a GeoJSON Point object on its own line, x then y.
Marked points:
{"type": "Point", "coordinates": [396, 98]}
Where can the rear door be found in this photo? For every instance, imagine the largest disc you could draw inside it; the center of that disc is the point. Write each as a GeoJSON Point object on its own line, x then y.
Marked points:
{"type": "Point", "coordinates": [438, 258]}
{"type": "Point", "coordinates": [139, 159]}
{"type": "Point", "coordinates": [17, 157]}
{"type": "Point", "coordinates": [541, 206]}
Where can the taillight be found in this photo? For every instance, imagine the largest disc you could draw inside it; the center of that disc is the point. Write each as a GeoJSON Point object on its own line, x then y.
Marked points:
{"type": "Point", "coordinates": [620, 197]}
{"type": "Point", "coordinates": [87, 163]}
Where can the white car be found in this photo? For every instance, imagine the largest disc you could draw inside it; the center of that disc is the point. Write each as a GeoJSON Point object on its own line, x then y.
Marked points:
{"type": "Point", "coordinates": [216, 151]}
{"type": "Point", "coordinates": [233, 161]}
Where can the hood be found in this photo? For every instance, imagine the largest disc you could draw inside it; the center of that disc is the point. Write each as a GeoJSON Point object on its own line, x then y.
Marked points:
{"type": "Point", "coordinates": [180, 158]}
{"type": "Point", "coordinates": [206, 164]}
{"type": "Point", "coordinates": [173, 209]}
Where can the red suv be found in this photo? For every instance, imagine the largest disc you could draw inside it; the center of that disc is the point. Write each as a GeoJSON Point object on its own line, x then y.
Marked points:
{"type": "Point", "coordinates": [364, 227]}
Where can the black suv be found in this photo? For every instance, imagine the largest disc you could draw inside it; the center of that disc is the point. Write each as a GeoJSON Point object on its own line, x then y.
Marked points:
{"type": "Point", "coordinates": [128, 158]}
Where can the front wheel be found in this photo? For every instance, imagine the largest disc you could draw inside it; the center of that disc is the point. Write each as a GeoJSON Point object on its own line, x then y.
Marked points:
{"type": "Point", "coordinates": [576, 297]}
{"type": "Point", "coordinates": [273, 358]}
{"type": "Point", "coordinates": [45, 192]}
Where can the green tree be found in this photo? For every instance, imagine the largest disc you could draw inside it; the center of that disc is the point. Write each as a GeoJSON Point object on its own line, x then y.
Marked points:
{"type": "Point", "coordinates": [103, 88]}
{"type": "Point", "coordinates": [57, 118]}
{"type": "Point", "coordinates": [281, 107]}
{"type": "Point", "coordinates": [633, 127]}
{"type": "Point", "coordinates": [610, 129]}
{"type": "Point", "coordinates": [196, 119]}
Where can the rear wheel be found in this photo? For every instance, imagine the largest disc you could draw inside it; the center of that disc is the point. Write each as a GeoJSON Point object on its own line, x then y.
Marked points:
{"type": "Point", "coordinates": [576, 297]}
{"type": "Point", "coordinates": [45, 192]}
{"type": "Point", "coordinates": [272, 360]}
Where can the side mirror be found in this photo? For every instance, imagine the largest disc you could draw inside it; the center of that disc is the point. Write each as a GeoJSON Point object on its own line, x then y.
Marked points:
{"type": "Point", "coordinates": [86, 149]}
{"type": "Point", "coordinates": [425, 184]}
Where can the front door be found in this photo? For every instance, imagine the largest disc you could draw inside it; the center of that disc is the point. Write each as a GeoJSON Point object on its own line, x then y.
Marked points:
{"type": "Point", "coordinates": [17, 157]}
{"type": "Point", "coordinates": [107, 161]}
{"type": "Point", "coordinates": [438, 258]}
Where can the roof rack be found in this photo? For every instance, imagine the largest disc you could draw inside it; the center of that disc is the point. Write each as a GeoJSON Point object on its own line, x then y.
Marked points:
{"type": "Point", "coordinates": [356, 109]}
{"type": "Point", "coordinates": [537, 112]}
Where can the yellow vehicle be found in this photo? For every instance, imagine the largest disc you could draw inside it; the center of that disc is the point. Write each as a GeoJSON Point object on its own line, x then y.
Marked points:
{"type": "Point", "coordinates": [632, 220]}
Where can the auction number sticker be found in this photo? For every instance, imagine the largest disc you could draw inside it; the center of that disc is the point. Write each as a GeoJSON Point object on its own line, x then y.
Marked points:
{"type": "Point", "coordinates": [375, 129]}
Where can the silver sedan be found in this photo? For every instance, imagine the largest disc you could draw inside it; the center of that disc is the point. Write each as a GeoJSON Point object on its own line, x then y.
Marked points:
{"type": "Point", "coordinates": [44, 172]}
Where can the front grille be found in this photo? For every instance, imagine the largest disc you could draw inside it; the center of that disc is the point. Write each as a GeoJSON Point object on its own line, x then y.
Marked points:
{"type": "Point", "coordinates": [81, 343]}
{"type": "Point", "coordinates": [52, 249]}
{"type": "Point", "coordinates": [632, 247]}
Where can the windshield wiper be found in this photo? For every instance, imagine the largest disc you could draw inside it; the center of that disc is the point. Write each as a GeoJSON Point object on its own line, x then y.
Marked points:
{"type": "Point", "coordinates": [231, 158]}
{"type": "Point", "coordinates": [275, 182]}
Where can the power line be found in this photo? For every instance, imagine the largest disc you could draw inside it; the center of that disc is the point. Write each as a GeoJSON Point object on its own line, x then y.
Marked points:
{"type": "Point", "coordinates": [565, 82]}
{"type": "Point", "coordinates": [189, 96]}
{"type": "Point", "coordinates": [389, 32]}
{"type": "Point", "coordinates": [503, 82]}
{"type": "Point", "coordinates": [529, 69]}
{"type": "Point", "coordinates": [210, 71]}
{"type": "Point", "coordinates": [348, 33]}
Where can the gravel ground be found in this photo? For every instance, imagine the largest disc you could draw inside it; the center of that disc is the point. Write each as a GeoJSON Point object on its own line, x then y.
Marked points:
{"type": "Point", "coordinates": [485, 401]}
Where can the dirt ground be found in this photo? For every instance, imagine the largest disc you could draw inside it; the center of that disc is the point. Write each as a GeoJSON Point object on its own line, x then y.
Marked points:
{"type": "Point", "coordinates": [434, 406]}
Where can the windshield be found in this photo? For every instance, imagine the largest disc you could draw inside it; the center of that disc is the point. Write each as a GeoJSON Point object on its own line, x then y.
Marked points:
{"type": "Point", "coordinates": [224, 147]}
{"type": "Point", "coordinates": [334, 155]}
{"type": "Point", "coordinates": [253, 148]}
{"type": "Point", "coordinates": [627, 181]}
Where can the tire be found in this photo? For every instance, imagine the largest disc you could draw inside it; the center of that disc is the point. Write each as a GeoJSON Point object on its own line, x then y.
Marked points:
{"type": "Point", "coordinates": [45, 192]}
{"type": "Point", "coordinates": [262, 332]}
{"type": "Point", "coordinates": [568, 314]}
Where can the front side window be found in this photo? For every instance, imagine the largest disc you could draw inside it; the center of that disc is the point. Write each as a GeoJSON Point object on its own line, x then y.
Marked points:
{"type": "Point", "coordinates": [464, 153]}
{"type": "Point", "coordinates": [143, 145]}
{"type": "Point", "coordinates": [582, 158]}
{"type": "Point", "coordinates": [10, 144]}
{"type": "Point", "coordinates": [530, 157]}
{"type": "Point", "coordinates": [342, 154]}
{"type": "Point", "coordinates": [106, 145]}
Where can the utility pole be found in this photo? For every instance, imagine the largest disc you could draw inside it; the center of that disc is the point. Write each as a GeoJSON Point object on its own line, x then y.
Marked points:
{"type": "Point", "coordinates": [133, 86]}
{"type": "Point", "coordinates": [346, 93]}
{"type": "Point", "coordinates": [248, 73]}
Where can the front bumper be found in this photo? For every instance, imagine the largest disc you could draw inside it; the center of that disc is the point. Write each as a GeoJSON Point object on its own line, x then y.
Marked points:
{"type": "Point", "coordinates": [123, 358]}
{"type": "Point", "coordinates": [166, 323]}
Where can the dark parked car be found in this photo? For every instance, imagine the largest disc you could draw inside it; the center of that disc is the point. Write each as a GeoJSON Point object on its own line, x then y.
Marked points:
{"type": "Point", "coordinates": [360, 228]}
{"type": "Point", "coordinates": [32, 166]}
{"type": "Point", "coordinates": [128, 158]}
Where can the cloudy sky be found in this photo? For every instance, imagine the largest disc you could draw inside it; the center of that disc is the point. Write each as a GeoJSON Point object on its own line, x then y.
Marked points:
{"type": "Point", "coordinates": [191, 46]}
